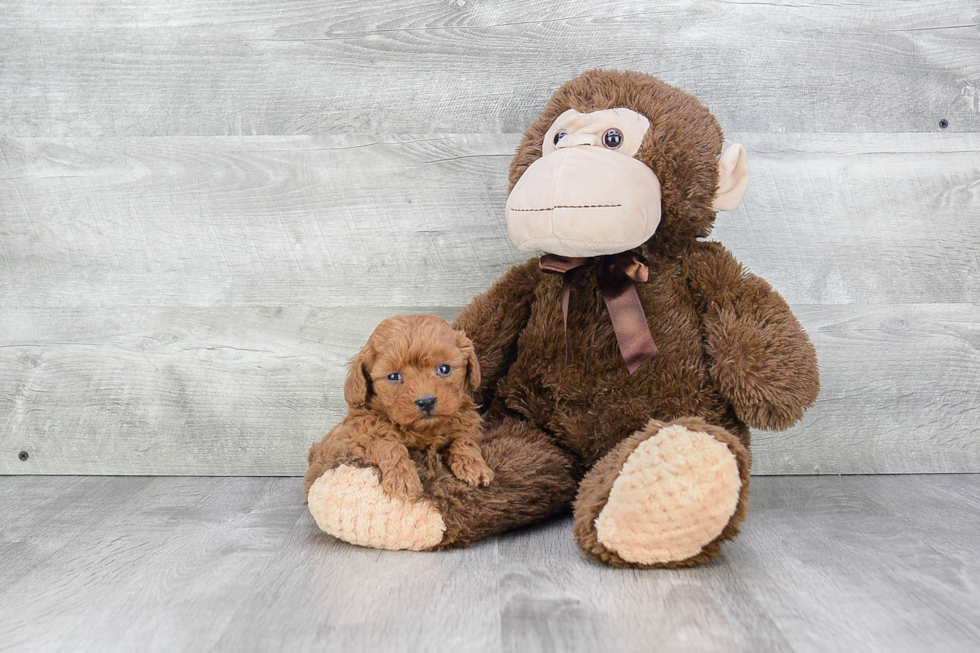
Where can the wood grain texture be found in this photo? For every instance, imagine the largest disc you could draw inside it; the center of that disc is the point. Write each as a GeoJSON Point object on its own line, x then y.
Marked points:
{"type": "Point", "coordinates": [899, 393]}
{"type": "Point", "coordinates": [418, 221]}
{"type": "Point", "coordinates": [161, 553]}
{"type": "Point", "coordinates": [869, 218]}
{"type": "Point", "coordinates": [176, 391]}
{"type": "Point", "coordinates": [283, 67]}
{"type": "Point", "coordinates": [185, 305]}
{"type": "Point", "coordinates": [881, 563]}
{"type": "Point", "coordinates": [247, 391]}
{"type": "Point", "coordinates": [337, 221]}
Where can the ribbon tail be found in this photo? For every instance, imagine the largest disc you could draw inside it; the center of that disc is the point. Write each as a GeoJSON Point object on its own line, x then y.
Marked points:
{"type": "Point", "coordinates": [566, 291]}
{"type": "Point", "coordinates": [630, 324]}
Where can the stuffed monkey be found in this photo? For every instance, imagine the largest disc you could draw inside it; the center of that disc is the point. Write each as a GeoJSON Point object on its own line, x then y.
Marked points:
{"type": "Point", "coordinates": [622, 369]}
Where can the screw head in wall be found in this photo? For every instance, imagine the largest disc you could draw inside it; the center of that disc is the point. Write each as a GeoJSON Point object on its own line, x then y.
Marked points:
{"type": "Point", "coordinates": [943, 124]}
{"type": "Point", "coordinates": [23, 455]}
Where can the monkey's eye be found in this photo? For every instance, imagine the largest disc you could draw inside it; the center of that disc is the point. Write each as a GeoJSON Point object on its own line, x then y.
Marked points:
{"type": "Point", "coordinates": [395, 377]}
{"type": "Point", "coordinates": [443, 370]}
{"type": "Point", "coordinates": [560, 135]}
{"type": "Point", "coordinates": [612, 139]}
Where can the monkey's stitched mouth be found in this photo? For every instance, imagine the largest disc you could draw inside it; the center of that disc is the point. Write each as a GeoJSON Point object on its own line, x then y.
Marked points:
{"type": "Point", "coordinates": [573, 206]}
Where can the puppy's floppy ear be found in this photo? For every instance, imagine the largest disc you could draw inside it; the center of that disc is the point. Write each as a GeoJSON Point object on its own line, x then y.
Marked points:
{"type": "Point", "coordinates": [472, 362]}
{"type": "Point", "coordinates": [358, 384]}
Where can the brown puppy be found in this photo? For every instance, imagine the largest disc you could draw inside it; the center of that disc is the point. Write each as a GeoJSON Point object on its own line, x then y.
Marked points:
{"type": "Point", "coordinates": [411, 386]}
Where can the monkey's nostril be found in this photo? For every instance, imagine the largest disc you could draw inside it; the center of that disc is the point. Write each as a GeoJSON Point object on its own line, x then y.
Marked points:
{"type": "Point", "coordinates": [426, 403]}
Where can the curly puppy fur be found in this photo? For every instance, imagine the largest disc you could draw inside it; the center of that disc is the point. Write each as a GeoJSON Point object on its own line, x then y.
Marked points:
{"type": "Point", "coordinates": [732, 355]}
{"type": "Point", "coordinates": [410, 387]}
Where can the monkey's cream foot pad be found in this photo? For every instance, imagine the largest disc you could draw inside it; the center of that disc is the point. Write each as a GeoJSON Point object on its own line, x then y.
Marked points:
{"type": "Point", "coordinates": [676, 493]}
{"type": "Point", "coordinates": [349, 503]}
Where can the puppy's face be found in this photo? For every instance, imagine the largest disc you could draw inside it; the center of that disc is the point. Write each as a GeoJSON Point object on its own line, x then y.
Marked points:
{"type": "Point", "coordinates": [416, 370]}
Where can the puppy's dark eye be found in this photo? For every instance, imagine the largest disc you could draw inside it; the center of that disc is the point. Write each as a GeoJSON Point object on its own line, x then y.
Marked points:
{"type": "Point", "coordinates": [612, 139]}
{"type": "Point", "coordinates": [560, 135]}
{"type": "Point", "coordinates": [395, 377]}
{"type": "Point", "coordinates": [443, 370]}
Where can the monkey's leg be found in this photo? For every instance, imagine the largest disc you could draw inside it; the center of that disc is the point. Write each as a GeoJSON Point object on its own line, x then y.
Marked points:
{"type": "Point", "coordinates": [533, 479]}
{"type": "Point", "coordinates": [666, 496]}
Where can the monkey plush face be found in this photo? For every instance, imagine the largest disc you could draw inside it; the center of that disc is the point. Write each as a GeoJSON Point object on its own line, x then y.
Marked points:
{"type": "Point", "coordinates": [615, 159]}
{"type": "Point", "coordinates": [587, 194]}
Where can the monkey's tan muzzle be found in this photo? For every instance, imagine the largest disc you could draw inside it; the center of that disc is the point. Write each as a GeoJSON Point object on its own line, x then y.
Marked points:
{"type": "Point", "coordinates": [584, 201]}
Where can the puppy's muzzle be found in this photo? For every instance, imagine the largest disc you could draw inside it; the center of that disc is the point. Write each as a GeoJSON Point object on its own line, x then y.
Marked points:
{"type": "Point", "coordinates": [426, 403]}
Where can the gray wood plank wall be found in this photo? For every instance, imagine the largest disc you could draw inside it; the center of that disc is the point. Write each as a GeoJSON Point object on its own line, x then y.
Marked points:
{"type": "Point", "coordinates": [205, 208]}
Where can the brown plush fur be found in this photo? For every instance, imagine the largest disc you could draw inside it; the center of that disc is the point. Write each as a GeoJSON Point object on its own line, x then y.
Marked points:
{"type": "Point", "coordinates": [385, 423]}
{"type": "Point", "coordinates": [732, 355]}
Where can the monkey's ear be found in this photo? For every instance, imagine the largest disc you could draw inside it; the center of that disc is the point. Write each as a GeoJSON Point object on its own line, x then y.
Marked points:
{"type": "Point", "coordinates": [358, 383]}
{"type": "Point", "coordinates": [472, 362]}
{"type": "Point", "coordinates": [733, 178]}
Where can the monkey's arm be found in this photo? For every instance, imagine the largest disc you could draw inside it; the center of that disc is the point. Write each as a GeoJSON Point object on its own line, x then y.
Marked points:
{"type": "Point", "coordinates": [495, 319]}
{"type": "Point", "coordinates": [762, 359]}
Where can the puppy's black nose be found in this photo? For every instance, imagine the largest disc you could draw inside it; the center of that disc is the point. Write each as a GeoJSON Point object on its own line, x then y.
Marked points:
{"type": "Point", "coordinates": [426, 403]}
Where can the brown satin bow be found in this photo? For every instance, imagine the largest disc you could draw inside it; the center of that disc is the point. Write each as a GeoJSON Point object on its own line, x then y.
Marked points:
{"type": "Point", "coordinates": [615, 275]}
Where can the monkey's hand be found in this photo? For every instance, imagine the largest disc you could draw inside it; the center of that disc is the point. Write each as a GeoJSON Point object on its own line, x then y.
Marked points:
{"type": "Point", "coordinates": [761, 358]}
{"type": "Point", "coordinates": [763, 362]}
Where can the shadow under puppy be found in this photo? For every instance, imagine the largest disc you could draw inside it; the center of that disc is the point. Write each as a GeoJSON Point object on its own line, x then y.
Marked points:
{"type": "Point", "coordinates": [410, 387]}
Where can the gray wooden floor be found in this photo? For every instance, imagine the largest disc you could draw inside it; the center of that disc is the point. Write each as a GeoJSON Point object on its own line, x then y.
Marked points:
{"type": "Point", "coordinates": [825, 563]}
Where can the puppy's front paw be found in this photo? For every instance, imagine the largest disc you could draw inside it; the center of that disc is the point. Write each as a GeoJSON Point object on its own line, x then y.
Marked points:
{"type": "Point", "coordinates": [402, 482]}
{"type": "Point", "coordinates": [472, 470]}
